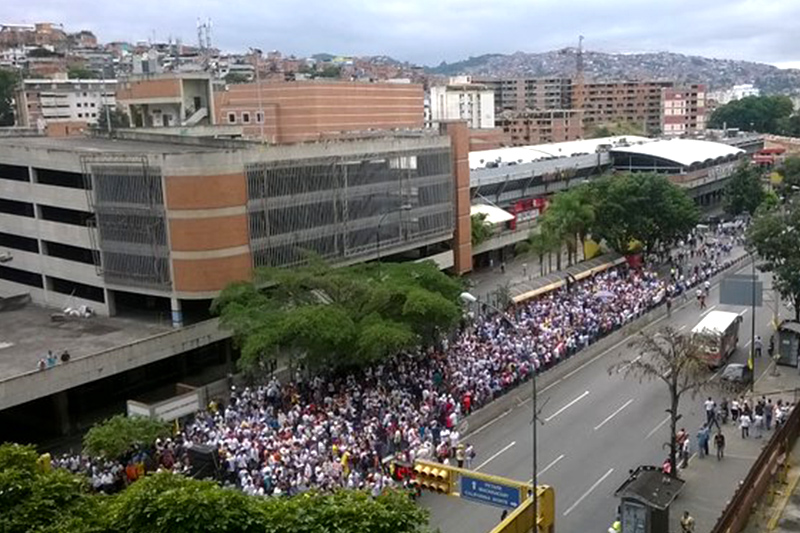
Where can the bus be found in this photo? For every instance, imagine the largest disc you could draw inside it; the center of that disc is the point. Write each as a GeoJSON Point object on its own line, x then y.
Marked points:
{"type": "Point", "coordinates": [718, 334]}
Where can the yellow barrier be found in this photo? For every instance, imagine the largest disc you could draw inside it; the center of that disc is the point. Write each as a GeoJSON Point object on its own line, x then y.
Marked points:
{"type": "Point", "coordinates": [560, 283]}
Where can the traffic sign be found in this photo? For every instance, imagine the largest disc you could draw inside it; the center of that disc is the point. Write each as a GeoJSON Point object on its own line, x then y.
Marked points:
{"type": "Point", "coordinates": [497, 494]}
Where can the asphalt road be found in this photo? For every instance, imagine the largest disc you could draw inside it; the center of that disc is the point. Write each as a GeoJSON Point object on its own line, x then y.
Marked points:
{"type": "Point", "coordinates": [597, 426]}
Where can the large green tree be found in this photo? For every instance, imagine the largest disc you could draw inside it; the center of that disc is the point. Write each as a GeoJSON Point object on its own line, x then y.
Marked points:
{"type": "Point", "coordinates": [8, 84]}
{"type": "Point", "coordinates": [120, 434]}
{"type": "Point", "coordinates": [765, 114]}
{"type": "Point", "coordinates": [643, 207]}
{"type": "Point", "coordinates": [744, 192]}
{"type": "Point", "coordinates": [570, 216]}
{"type": "Point", "coordinates": [336, 317]}
{"type": "Point", "coordinates": [775, 235]}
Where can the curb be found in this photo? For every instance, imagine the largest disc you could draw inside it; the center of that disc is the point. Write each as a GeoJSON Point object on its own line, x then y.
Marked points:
{"type": "Point", "coordinates": [781, 507]}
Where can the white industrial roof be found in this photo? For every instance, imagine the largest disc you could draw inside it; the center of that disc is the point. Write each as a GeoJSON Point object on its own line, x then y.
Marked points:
{"type": "Point", "coordinates": [684, 152]}
{"type": "Point", "coordinates": [494, 215]}
{"type": "Point", "coordinates": [527, 154]}
{"type": "Point", "coordinates": [715, 322]}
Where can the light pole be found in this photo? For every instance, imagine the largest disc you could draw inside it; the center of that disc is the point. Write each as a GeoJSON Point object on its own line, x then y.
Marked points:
{"type": "Point", "coordinates": [471, 299]}
{"type": "Point", "coordinates": [404, 207]}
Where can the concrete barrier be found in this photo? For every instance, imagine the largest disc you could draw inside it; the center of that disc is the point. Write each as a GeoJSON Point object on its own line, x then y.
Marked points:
{"type": "Point", "coordinates": [523, 392]}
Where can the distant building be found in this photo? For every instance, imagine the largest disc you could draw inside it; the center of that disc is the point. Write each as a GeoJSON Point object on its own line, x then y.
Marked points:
{"type": "Point", "coordinates": [684, 110]}
{"type": "Point", "coordinates": [518, 94]}
{"type": "Point", "coordinates": [462, 100]}
{"type": "Point", "coordinates": [167, 100]}
{"type": "Point", "coordinates": [298, 111]}
{"type": "Point", "coordinates": [40, 102]}
{"type": "Point", "coordinates": [541, 126]}
{"type": "Point", "coordinates": [737, 92]}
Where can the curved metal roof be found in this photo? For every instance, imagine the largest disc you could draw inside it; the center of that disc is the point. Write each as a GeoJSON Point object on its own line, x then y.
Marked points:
{"type": "Point", "coordinates": [684, 152]}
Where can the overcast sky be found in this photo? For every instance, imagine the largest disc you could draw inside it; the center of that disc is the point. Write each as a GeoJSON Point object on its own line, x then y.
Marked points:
{"type": "Point", "coordinates": [429, 31]}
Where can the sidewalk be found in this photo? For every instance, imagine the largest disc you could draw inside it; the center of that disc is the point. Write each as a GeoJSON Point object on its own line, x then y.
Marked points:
{"type": "Point", "coordinates": [710, 484]}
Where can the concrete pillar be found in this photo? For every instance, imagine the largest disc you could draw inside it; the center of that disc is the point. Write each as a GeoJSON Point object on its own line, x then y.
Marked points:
{"type": "Point", "coordinates": [111, 302]}
{"type": "Point", "coordinates": [61, 411]}
{"type": "Point", "coordinates": [462, 237]}
{"type": "Point", "coordinates": [177, 313]}
{"type": "Point", "coordinates": [228, 351]}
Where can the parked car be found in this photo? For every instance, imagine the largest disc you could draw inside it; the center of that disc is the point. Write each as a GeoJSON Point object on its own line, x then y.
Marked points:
{"type": "Point", "coordinates": [737, 373]}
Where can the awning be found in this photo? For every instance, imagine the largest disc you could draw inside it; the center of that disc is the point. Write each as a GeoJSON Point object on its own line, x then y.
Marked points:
{"type": "Point", "coordinates": [494, 215]}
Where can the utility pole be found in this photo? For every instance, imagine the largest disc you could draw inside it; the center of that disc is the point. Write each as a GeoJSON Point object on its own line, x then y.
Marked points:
{"type": "Point", "coordinates": [257, 51]}
{"type": "Point", "coordinates": [751, 361]}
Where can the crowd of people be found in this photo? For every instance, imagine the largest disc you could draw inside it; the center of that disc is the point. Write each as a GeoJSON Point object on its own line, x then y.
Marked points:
{"type": "Point", "coordinates": [336, 431]}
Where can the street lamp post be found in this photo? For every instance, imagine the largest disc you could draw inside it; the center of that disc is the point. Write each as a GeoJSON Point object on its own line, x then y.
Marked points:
{"type": "Point", "coordinates": [470, 299]}
{"type": "Point", "coordinates": [257, 52]}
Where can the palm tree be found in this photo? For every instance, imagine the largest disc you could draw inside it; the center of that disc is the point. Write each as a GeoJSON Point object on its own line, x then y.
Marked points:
{"type": "Point", "coordinates": [570, 215]}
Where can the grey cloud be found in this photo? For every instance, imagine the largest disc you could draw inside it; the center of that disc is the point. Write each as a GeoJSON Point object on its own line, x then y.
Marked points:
{"type": "Point", "coordinates": [434, 30]}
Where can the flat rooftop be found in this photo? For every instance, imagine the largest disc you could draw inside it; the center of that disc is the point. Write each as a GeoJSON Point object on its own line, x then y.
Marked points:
{"type": "Point", "coordinates": [104, 145]}
{"type": "Point", "coordinates": [27, 334]}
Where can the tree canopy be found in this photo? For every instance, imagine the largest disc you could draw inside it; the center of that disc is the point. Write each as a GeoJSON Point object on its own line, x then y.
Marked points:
{"type": "Point", "coordinates": [120, 434]}
{"type": "Point", "coordinates": [775, 235]}
{"type": "Point", "coordinates": [765, 114]}
{"type": "Point", "coordinates": [119, 119]}
{"type": "Point", "coordinates": [8, 84]}
{"type": "Point", "coordinates": [744, 192]}
{"type": "Point", "coordinates": [338, 317]}
{"type": "Point", "coordinates": [56, 501]}
{"type": "Point", "coordinates": [81, 73]}
{"type": "Point", "coordinates": [643, 207]}
{"type": "Point", "coordinates": [569, 217]}
{"type": "Point", "coordinates": [481, 231]}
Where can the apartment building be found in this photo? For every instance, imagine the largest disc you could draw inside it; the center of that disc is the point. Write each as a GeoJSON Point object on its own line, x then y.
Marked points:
{"type": "Point", "coordinates": [529, 127]}
{"type": "Point", "coordinates": [517, 94]}
{"type": "Point", "coordinates": [684, 110]}
{"type": "Point", "coordinates": [299, 111]}
{"type": "Point", "coordinates": [632, 102]}
{"type": "Point", "coordinates": [144, 221]}
{"type": "Point", "coordinates": [462, 100]}
{"type": "Point", "coordinates": [167, 100]}
{"type": "Point", "coordinates": [40, 102]}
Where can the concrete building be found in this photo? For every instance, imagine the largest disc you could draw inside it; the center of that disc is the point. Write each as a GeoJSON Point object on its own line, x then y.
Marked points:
{"type": "Point", "coordinates": [462, 100]}
{"type": "Point", "coordinates": [299, 111]}
{"type": "Point", "coordinates": [638, 103]}
{"type": "Point", "coordinates": [684, 110]}
{"type": "Point", "coordinates": [148, 221]}
{"type": "Point", "coordinates": [40, 102]}
{"type": "Point", "coordinates": [737, 92]}
{"type": "Point", "coordinates": [519, 94]}
{"type": "Point", "coordinates": [167, 100]}
{"type": "Point", "coordinates": [541, 126]}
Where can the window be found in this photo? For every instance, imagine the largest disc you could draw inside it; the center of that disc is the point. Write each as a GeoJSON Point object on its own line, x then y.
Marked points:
{"type": "Point", "coordinates": [94, 115]}
{"type": "Point", "coordinates": [84, 94]}
{"type": "Point", "coordinates": [78, 104]}
{"type": "Point", "coordinates": [80, 115]}
{"type": "Point", "coordinates": [232, 118]}
{"type": "Point", "coordinates": [93, 105]}
{"type": "Point", "coordinates": [259, 117]}
{"type": "Point", "coordinates": [246, 117]}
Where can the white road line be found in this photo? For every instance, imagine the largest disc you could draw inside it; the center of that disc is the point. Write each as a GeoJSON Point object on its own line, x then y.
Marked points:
{"type": "Point", "coordinates": [682, 327]}
{"type": "Point", "coordinates": [495, 456]}
{"type": "Point", "coordinates": [748, 344]}
{"type": "Point", "coordinates": [490, 422]}
{"type": "Point", "coordinates": [585, 494]}
{"type": "Point", "coordinates": [551, 465]}
{"type": "Point", "coordinates": [624, 367]}
{"type": "Point", "coordinates": [653, 432]}
{"type": "Point", "coordinates": [570, 404]}
{"type": "Point", "coordinates": [743, 312]}
{"type": "Point", "coordinates": [612, 415]}
{"type": "Point", "coordinates": [704, 313]}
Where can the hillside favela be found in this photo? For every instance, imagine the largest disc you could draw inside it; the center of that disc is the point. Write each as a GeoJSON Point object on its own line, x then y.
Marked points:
{"type": "Point", "coordinates": [352, 267]}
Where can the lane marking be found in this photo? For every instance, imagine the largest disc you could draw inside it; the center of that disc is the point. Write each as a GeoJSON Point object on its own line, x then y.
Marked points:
{"type": "Point", "coordinates": [653, 432]}
{"type": "Point", "coordinates": [495, 456]}
{"type": "Point", "coordinates": [704, 313]}
{"type": "Point", "coordinates": [548, 467]}
{"type": "Point", "coordinates": [612, 415]}
{"type": "Point", "coordinates": [748, 344]}
{"type": "Point", "coordinates": [492, 421]}
{"type": "Point", "coordinates": [625, 367]}
{"type": "Point", "coordinates": [570, 404]}
{"type": "Point", "coordinates": [744, 312]}
{"type": "Point", "coordinates": [682, 327]}
{"type": "Point", "coordinates": [585, 494]}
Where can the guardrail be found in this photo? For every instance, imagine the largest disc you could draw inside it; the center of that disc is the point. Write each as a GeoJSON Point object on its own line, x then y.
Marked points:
{"type": "Point", "coordinates": [736, 514]}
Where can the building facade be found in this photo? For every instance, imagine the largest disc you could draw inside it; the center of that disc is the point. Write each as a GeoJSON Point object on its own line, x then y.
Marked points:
{"type": "Point", "coordinates": [518, 94]}
{"type": "Point", "coordinates": [684, 110]}
{"type": "Point", "coordinates": [300, 111]}
{"type": "Point", "coordinates": [167, 223]}
{"type": "Point", "coordinates": [167, 100]}
{"type": "Point", "coordinates": [462, 100]}
{"type": "Point", "coordinates": [40, 102]}
{"type": "Point", "coordinates": [541, 126]}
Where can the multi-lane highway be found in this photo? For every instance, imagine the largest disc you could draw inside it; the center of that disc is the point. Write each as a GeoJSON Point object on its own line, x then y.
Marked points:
{"type": "Point", "coordinates": [597, 426]}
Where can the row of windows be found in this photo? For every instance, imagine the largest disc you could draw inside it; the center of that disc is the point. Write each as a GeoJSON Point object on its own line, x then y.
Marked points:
{"type": "Point", "coordinates": [86, 115]}
{"type": "Point", "coordinates": [245, 118]}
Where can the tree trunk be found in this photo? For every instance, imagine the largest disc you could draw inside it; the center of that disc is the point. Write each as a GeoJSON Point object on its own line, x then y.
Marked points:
{"type": "Point", "coordinates": [558, 257]}
{"type": "Point", "coordinates": [796, 309]}
{"type": "Point", "coordinates": [541, 264]}
{"type": "Point", "coordinates": [673, 425]}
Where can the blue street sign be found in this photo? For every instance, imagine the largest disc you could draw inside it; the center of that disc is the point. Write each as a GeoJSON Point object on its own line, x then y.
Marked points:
{"type": "Point", "coordinates": [495, 494]}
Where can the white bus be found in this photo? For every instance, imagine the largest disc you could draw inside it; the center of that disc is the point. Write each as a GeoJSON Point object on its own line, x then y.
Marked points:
{"type": "Point", "coordinates": [718, 334]}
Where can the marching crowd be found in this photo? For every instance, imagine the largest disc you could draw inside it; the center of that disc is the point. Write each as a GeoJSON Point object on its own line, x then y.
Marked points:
{"type": "Point", "coordinates": [330, 432]}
